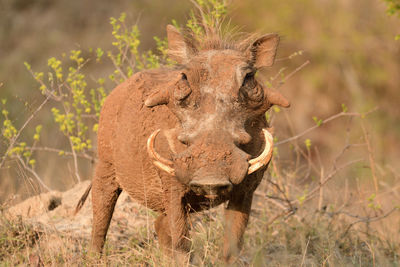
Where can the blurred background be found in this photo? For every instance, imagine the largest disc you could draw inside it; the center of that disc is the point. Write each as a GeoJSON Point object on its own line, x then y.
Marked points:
{"type": "Point", "coordinates": [354, 60]}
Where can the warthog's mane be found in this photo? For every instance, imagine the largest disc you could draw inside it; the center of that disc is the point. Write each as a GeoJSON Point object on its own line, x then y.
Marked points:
{"type": "Point", "coordinates": [218, 36]}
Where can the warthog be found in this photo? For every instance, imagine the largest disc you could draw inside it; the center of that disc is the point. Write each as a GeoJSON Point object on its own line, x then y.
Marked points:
{"type": "Point", "coordinates": [188, 138]}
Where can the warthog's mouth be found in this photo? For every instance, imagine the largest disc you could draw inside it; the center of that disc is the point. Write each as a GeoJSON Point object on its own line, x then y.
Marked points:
{"type": "Point", "coordinates": [254, 164]}
{"type": "Point", "coordinates": [211, 197]}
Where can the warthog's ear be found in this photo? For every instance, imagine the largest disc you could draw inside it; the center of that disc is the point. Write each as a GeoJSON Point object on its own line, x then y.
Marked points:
{"type": "Point", "coordinates": [276, 98]}
{"type": "Point", "coordinates": [178, 48]}
{"type": "Point", "coordinates": [263, 50]}
{"type": "Point", "coordinates": [160, 97]}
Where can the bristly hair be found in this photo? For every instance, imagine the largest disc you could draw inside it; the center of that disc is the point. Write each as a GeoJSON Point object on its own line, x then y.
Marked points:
{"type": "Point", "coordinates": [215, 33]}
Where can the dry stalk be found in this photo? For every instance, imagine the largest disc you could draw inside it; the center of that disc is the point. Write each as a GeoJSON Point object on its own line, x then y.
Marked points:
{"type": "Point", "coordinates": [361, 219]}
{"type": "Point", "coordinates": [37, 177]}
{"type": "Point", "coordinates": [283, 81]}
{"type": "Point", "coordinates": [327, 178]}
{"type": "Point", "coordinates": [370, 156]}
{"type": "Point", "coordinates": [280, 183]}
{"type": "Point", "coordinates": [287, 212]}
{"type": "Point", "coordinates": [305, 252]}
{"type": "Point", "coordinates": [321, 177]}
{"type": "Point", "coordinates": [119, 69]}
{"type": "Point", "coordinates": [372, 253]}
{"type": "Point", "coordinates": [75, 158]}
{"type": "Point", "coordinates": [307, 156]}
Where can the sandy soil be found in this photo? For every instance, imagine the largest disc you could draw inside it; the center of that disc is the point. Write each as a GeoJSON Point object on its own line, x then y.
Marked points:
{"type": "Point", "coordinates": [54, 212]}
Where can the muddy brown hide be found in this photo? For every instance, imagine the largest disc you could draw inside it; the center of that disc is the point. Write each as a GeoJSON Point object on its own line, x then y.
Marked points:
{"type": "Point", "coordinates": [210, 110]}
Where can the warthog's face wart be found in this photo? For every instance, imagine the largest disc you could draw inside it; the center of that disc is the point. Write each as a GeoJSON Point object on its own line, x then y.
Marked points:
{"type": "Point", "coordinates": [216, 99]}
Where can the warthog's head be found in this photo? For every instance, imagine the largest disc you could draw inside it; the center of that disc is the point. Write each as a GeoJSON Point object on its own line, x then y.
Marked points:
{"type": "Point", "coordinates": [217, 101]}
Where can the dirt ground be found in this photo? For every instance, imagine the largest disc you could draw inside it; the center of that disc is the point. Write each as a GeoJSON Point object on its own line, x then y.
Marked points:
{"type": "Point", "coordinates": [54, 212]}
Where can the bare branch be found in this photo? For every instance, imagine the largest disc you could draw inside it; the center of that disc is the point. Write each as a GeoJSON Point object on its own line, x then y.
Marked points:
{"type": "Point", "coordinates": [365, 219]}
{"type": "Point", "coordinates": [78, 177]}
{"type": "Point", "coordinates": [14, 139]}
{"type": "Point", "coordinates": [282, 82]}
{"type": "Point", "coordinates": [118, 68]}
{"type": "Point", "coordinates": [26, 167]}
{"type": "Point", "coordinates": [288, 212]}
{"type": "Point", "coordinates": [310, 195]}
{"type": "Point", "coordinates": [331, 118]}
{"type": "Point", "coordinates": [60, 151]}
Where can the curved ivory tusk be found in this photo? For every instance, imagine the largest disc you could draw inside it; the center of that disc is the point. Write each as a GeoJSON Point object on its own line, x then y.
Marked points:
{"type": "Point", "coordinates": [160, 162]}
{"type": "Point", "coordinates": [265, 156]}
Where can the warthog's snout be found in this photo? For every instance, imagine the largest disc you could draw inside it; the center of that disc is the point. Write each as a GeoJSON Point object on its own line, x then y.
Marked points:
{"type": "Point", "coordinates": [211, 189]}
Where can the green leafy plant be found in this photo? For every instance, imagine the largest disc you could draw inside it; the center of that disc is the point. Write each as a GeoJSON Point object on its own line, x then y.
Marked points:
{"type": "Point", "coordinates": [393, 9]}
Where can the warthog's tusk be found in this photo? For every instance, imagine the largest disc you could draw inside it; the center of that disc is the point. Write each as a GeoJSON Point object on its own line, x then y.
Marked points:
{"type": "Point", "coordinates": [162, 163]}
{"type": "Point", "coordinates": [265, 156]}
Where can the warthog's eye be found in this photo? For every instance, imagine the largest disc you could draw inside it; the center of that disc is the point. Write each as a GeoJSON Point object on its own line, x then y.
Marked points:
{"type": "Point", "coordinates": [249, 80]}
{"type": "Point", "coordinates": [250, 92]}
{"type": "Point", "coordinates": [182, 90]}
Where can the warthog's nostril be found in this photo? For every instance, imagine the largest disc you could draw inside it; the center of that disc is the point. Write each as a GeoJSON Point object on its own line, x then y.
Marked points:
{"type": "Point", "coordinates": [196, 188]}
{"type": "Point", "coordinates": [224, 189]}
{"type": "Point", "coordinates": [207, 188]}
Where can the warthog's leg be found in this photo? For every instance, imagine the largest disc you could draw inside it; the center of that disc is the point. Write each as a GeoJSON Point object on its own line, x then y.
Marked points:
{"type": "Point", "coordinates": [179, 227]}
{"type": "Point", "coordinates": [163, 231]}
{"type": "Point", "coordinates": [180, 230]}
{"type": "Point", "coordinates": [105, 193]}
{"type": "Point", "coordinates": [236, 219]}
{"type": "Point", "coordinates": [172, 227]}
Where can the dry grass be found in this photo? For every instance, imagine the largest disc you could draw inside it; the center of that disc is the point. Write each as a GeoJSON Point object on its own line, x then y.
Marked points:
{"type": "Point", "coordinates": [322, 241]}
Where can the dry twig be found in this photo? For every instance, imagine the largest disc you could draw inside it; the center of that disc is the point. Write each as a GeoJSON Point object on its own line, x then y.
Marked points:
{"type": "Point", "coordinates": [14, 139]}
{"type": "Point", "coordinates": [331, 118]}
